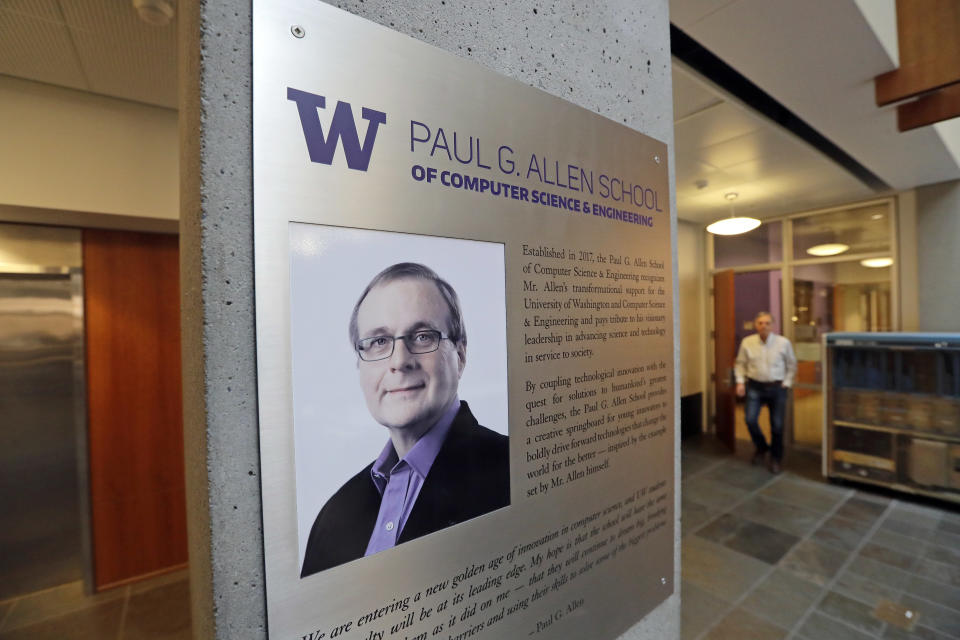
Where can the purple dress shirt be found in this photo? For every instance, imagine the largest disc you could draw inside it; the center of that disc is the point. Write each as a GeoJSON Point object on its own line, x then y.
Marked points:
{"type": "Point", "coordinates": [399, 481]}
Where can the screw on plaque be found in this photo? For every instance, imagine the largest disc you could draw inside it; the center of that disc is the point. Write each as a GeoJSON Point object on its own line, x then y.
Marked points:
{"type": "Point", "coordinates": [656, 159]}
{"type": "Point", "coordinates": [663, 581]}
{"type": "Point", "coordinates": [297, 31]}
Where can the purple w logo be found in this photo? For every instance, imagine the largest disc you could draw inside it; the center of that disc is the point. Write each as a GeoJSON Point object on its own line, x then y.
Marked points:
{"type": "Point", "coordinates": [342, 127]}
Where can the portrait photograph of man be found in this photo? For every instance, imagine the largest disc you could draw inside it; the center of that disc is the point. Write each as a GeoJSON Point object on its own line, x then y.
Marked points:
{"type": "Point", "coordinates": [430, 463]}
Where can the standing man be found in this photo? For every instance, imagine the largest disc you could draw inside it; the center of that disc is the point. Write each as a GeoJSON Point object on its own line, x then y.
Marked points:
{"type": "Point", "coordinates": [765, 369]}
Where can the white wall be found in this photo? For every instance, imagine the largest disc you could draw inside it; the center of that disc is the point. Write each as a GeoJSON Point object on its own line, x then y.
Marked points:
{"type": "Point", "coordinates": [71, 150]}
{"type": "Point", "coordinates": [938, 256]}
{"type": "Point", "coordinates": [690, 268]}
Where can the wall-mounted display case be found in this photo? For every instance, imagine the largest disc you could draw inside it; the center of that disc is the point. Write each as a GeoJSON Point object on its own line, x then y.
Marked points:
{"type": "Point", "coordinates": [892, 415]}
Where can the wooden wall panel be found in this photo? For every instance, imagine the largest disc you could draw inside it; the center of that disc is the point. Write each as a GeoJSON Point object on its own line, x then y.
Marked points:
{"type": "Point", "coordinates": [132, 317]}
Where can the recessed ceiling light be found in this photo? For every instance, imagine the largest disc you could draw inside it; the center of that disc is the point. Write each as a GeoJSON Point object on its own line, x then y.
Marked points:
{"type": "Point", "coordinates": [829, 249]}
{"type": "Point", "coordinates": [876, 263]}
{"type": "Point", "coordinates": [876, 216]}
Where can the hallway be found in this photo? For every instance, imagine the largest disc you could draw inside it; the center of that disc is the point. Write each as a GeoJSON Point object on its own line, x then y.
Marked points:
{"type": "Point", "coordinates": [767, 557]}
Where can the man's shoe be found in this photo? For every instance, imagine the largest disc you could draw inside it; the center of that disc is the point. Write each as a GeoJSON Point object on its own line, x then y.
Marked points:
{"type": "Point", "coordinates": [775, 467]}
{"type": "Point", "coordinates": [758, 458]}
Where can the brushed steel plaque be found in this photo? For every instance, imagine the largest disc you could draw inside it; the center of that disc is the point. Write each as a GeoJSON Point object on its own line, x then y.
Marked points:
{"type": "Point", "coordinates": [552, 224]}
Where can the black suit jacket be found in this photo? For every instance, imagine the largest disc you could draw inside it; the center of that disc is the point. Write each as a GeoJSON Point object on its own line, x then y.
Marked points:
{"type": "Point", "coordinates": [470, 477]}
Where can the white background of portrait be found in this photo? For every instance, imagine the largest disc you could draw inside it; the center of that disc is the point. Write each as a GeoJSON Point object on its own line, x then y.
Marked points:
{"type": "Point", "coordinates": [334, 434]}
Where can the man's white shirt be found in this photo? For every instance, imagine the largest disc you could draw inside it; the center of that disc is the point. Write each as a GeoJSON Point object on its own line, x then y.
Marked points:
{"type": "Point", "coordinates": [766, 361]}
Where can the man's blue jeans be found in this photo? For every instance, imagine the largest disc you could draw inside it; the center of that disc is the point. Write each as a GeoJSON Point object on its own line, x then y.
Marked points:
{"type": "Point", "coordinates": [774, 396]}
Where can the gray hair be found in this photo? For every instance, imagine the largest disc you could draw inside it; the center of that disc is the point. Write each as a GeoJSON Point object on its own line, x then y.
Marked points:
{"type": "Point", "coordinates": [457, 330]}
{"type": "Point", "coordinates": [764, 313]}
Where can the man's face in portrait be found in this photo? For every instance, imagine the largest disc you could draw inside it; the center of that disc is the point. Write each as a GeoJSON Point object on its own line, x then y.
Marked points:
{"type": "Point", "coordinates": [407, 390]}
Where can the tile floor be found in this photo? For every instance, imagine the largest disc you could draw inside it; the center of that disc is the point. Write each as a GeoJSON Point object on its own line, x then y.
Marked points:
{"type": "Point", "coordinates": [764, 557]}
{"type": "Point", "coordinates": [790, 556]}
{"type": "Point", "coordinates": [158, 609]}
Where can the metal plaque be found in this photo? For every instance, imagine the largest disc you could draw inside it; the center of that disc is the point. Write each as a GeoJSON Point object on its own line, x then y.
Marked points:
{"type": "Point", "coordinates": [464, 343]}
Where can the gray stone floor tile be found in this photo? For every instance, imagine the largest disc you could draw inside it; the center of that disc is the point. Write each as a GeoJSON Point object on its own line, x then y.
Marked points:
{"type": "Point", "coordinates": [891, 540]}
{"type": "Point", "coordinates": [910, 558]}
{"type": "Point", "coordinates": [866, 590]}
{"type": "Point", "coordinates": [721, 571]}
{"type": "Point", "coordinates": [861, 507]}
{"type": "Point", "coordinates": [692, 463]}
{"type": "Point", "coordinates": [919, 632]}
{"type": "Point", "coordinates": [711, 493]}
{"type": "Point", "coordinates": [949, 526]}
{"type": "Point", "coordinates": [876, 498]}
{"type": "Point", "coordinates": [841, 533]}
{"type": "Point", "coordinates": [780, 515]}
{"type": "Point", "coordinates": [934, 616]}
{"type": "Point", "coordinates": [909, 529]}
{"type": "Point", "coordinates": [722, 528]}
{"type": "Point", "coordinates": [97, 621]}
{"type": "Point", "coordinates": [945, 539]}
{"type": "Point", "coordinates": [935, 592]}
{"type": "Point", "coordinates": [942, 554]}
{"type": "Point", "coordinates": [693, 515]}
{"type": "Point", "coordinates": [945, 573]}
{"type": "Point", "coordinates": [751, 538]}
{"type": "Point", "coordinates": [162, 613]}
{"type": "Point", "coordinates": [919, 515]}
{"type": "Point", "coordinates": [699, 610]}
{"type": "Point", "coordinates": [879, 572]}
{"type": "Point", "coordinates": [740, 475]}
{"type": "Point", "coordinates": [887, 555]}
{"type": "Point", "coordinates": [907, 506]}
{"type": "Point", "coordinates": [804, 493]}
{"type": "Point", "coordinates": [740, 624]}
{"type": "Point", "coordinates": [853, 612]}
{"type": "Point", "coordinates": [782, 598]}
{"type": "Point", "coordinates": [821, 627]}
{"type": "Point", "coordinates": [814, 562]}
{"type": "Point", "coordinates": [762, 542]}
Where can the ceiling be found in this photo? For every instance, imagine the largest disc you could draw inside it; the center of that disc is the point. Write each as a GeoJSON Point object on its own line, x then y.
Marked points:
{"type": "Point", "coordinates": [100, 46]}
{"type": "Point", "coordinates": [817, 57]}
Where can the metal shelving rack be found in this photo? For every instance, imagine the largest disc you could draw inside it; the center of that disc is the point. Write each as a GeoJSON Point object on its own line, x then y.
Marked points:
{"type": "Point", "coordinates": [892, 411]}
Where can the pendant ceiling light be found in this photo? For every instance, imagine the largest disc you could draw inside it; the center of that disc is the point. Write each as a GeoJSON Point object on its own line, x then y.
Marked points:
{"type": "Point", "coordinates": [876, 263]}
{"type": "Point", "coordinates": [733, 225]}
{"type": "Point", "coordinates": [828, 249]}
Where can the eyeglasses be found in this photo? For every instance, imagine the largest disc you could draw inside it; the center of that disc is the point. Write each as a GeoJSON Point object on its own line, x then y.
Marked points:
{"type": "Point", "coordinates": [381, 347]}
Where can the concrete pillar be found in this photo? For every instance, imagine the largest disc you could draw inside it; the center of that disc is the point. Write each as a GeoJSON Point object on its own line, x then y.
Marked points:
{"type": "Point", "coordinates": [612, 58]}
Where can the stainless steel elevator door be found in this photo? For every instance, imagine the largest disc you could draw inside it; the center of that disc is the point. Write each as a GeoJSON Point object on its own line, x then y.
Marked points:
{"type": "Point", "coordinates": [41, 349]}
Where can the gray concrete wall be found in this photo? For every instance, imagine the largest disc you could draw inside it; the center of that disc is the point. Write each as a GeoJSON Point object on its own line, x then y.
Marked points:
{"type": "Point", "coordinates": [611, 57]}
{"type": "Point", "coordinates": [938, 256]}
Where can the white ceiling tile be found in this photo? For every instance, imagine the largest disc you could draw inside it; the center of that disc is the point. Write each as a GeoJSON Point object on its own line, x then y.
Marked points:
{"type": "Point", "coordinates": [690, 96]}
{"type": "Point", "coordinates": [38, 49]}
{"type": "Point", "coordinates": [122, 55]}
{"type": "Point", "coordinates": [685, 13]}
{"type": "Point", "coordinates": [716, 124]}
{"type": "Point", "coordinates": [755, 145]}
